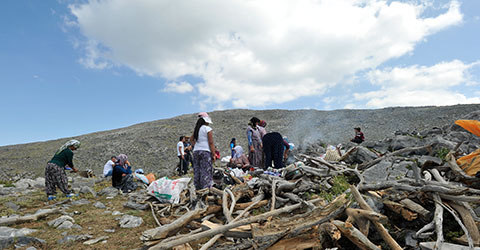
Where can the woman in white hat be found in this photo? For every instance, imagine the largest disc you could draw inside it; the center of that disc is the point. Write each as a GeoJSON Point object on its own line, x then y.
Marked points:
{"type": "Point", "coordinates": [203, 152]}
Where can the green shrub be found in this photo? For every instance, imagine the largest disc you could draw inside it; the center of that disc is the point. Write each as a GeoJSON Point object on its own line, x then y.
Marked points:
{"type": "Point", "coordinates": [442, 153]}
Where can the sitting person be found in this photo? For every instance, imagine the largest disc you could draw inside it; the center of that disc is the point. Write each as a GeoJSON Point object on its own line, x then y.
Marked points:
{"type": "Point", "coordinates": [122, 175]}
{"type": "Point", "coordinates": [359, 138]}
{"type": "Point", "coordinates": [108, 168]}
{"type": "Point", "coordinates": [239, 159]}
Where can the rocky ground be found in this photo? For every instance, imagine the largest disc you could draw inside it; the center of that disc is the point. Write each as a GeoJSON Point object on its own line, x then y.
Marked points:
{"type": "Point", "coordinates": [151, 145]}
{"type": "Point", "coordinates": [103, 218]}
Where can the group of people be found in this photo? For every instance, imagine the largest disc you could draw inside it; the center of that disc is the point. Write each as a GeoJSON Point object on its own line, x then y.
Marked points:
{"type": "Point", "coordinates": [119, 168]}
{"type": "Point", "coordinates": [55, 176]}
{"type": "Point", "coordinates": [263, 150]}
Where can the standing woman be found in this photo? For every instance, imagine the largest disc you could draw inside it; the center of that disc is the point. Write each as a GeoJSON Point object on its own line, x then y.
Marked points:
{"type": "Point", "coordinates": [254, 143]}
{"type": "Point", "coordinates": [55, 175]}
{"type": "Point", "coordinates": [203, 152]}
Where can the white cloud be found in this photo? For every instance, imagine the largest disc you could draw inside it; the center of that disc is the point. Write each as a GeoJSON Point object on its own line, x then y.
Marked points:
{"type": "Point", "coordinates": [254, 53]}
{"type": "Point", "coordinates": [182, 87]}
{"type": "Point", "coordinates": [419, 85]}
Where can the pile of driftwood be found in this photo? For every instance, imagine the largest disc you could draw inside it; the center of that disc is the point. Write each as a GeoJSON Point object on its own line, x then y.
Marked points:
{"type": "Point", "coordinates": [271, 212]}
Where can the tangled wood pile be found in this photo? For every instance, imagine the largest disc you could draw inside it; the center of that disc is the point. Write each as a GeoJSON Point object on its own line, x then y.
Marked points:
{"type": "Point", "coordinates": [272, 212]}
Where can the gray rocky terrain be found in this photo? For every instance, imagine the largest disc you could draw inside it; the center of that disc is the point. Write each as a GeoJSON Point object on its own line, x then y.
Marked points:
{"type": "Point", "coordinates": [151, 145]}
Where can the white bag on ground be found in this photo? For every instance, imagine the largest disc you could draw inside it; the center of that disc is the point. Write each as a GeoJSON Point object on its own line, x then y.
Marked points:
{"type": "Point", "coordinates": [166, 190]}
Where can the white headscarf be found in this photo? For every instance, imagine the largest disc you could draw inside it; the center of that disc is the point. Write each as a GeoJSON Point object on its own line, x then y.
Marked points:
{"type": "Point", "coordinates": [238, 152]}
{"type": "Point", "coordinates": [74, 143]}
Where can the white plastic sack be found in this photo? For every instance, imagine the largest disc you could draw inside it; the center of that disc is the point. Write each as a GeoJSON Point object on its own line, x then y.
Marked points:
{"type": "Point", "coordinates": [238, 172]}
{"type": "Point", "coordinates": [226, 159]}
{"type": "Point", "coordinates": [166, 190]}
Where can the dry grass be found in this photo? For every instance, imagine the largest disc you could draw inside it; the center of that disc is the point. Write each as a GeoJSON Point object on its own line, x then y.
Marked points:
{"type": "Point", "coordinates": [93, 221]}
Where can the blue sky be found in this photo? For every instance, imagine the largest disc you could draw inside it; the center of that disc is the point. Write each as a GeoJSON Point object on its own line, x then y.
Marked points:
{"type": "Point", "coordinates": [73, 67]}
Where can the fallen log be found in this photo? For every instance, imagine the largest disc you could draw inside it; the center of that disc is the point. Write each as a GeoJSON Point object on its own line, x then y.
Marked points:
{"type": "Point", "coordinates": [163, 231]}
{"type": "Point", "coordinates": [415, 207]}
{"type": "Point", "coordinates": [354, 235]}
{"type": "Point", "coordinates": [468, 221]}
{"type": "Point", "coordinates": [380, 228]}
{"type": "Point", "coordinates": [212, 232]}
{"type": "Point", "coordinates": [438, 219]}
{"type": "Point", "coordinates": [28, 218]}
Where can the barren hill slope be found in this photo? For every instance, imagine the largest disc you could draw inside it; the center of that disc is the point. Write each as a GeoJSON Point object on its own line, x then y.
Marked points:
{"type": "Point", "coordinates": [151, 145]}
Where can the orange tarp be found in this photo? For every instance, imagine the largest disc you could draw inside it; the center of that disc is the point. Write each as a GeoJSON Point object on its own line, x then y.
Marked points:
{"type": "Point", "coordinates": [470, 164]}
{"type": "Point", "coordinates": [471, 125]}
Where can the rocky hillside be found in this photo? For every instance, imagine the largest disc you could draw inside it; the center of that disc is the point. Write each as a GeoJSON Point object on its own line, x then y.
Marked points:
{"type": "Point", "coordinates": [151, 145]}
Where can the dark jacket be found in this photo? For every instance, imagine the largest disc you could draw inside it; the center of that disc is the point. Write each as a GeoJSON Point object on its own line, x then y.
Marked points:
{"type": "Point", "coordinates": [117, 173]}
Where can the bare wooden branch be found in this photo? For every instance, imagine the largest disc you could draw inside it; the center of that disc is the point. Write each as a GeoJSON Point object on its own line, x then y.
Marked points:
{"type": "Point", "coordinates": [153, 213]}
{"type": "Point", "coordinates": [438, 221]}
{"type": "Point", "coordinates": [380, 228]}
{"type": "Point", "coordinates": [415, 207]}
{"type": "Point", "coordinates": [459, 221]}
{"type": "Point", "coordinates": [28, 218]}
{"type": "Point", "coordinates": [212, 232]}
{"type": "Point", "coordinates": [468, 221]}
{"type": "Point", "coordinates": [163, 231]}
{"type": "Point", "coordinates": [354, 235]}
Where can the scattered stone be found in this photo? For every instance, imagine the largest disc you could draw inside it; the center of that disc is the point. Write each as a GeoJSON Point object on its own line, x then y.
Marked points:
{"type": "Point", "coordinates": [12, 205]}
{"type": "Point", "coordinates": [79, 182]}
{"type": "Point", "coordinates": [69, 238]}
{"type": "Point", "coordinates": [31, 248]}
{"type": "Point", "coordinates": [130, 221]}
{"type": "Point", "coordinates": [109, 192]}
{"type": "Point", "coordinates": [109, 230]}
{"type": "Point", "coordinates": [136, 206]}
{"type": "Point", "coordinates": [115, 213]}
{"type": "Point", "coordinates": [60, 221]}
{"type": "Point", "coordinates": [27, 240]}
{"type": "Point", "coordinates": [80, 202]}
{"type": "Point", "coordinates": [76, 226]}
{"type": "Point", "coordinates": [88, 190]}
{"type": "Point", "coordinates": [426, 161]}
{"type": "Point", "coordinates": [65, 225]}
{"type": "Point", "coordinates": [98, 204]}
{"type": "Point", "coordinates": [10, 236]}
{"type": "Point", "coordinates": [13, 232]}
{"type": "Point", "coordinates": [94, 241]}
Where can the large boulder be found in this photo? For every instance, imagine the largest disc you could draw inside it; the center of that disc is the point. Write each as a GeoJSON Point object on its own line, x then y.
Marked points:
{"type": "Point", "coordinates": [130, 221]}
{"type": "Point", "coordinates": [79, 182]}
{"type": "Point", "coordinates": [361, 155]}
{"type": "Point", "coordinates": [387, 170]}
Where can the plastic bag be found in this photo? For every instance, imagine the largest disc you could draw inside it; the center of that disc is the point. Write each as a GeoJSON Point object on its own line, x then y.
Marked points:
{"type": "Point", "coordinates": [141, 178]}
{"type": "Point", "coordinates": [166, 190]}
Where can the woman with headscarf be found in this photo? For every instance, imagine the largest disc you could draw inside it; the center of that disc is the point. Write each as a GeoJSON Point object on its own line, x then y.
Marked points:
{"type": "Point", "coordinates": [55, 175]}
{"type": "Point", "coordinates": [122, 175]}
{"type": "Point", "coordinates": [239, 158]}
{"type": "Point", "coordinates": [254, 138]}
{"type": "Point", "coordinates": [261, 128]}
{"type": "Point", "coordinates": [203, 152]}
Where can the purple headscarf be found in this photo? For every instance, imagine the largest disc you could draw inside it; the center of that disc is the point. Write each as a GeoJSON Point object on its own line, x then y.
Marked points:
{"type": "Point", "coordinates": [122, 159]}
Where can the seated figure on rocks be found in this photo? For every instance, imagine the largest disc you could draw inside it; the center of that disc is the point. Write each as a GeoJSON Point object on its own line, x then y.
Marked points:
{"type": "Point", "coordinates": [108, 168]}
{"type": "Point", "coordinates": [239, 159]}
{"type": "Point", "coordinates": [359, 138]}
{"type": "Point", "coordinates": [122, 175]}
{"type": "Point", "coordinates": [55, 175]}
